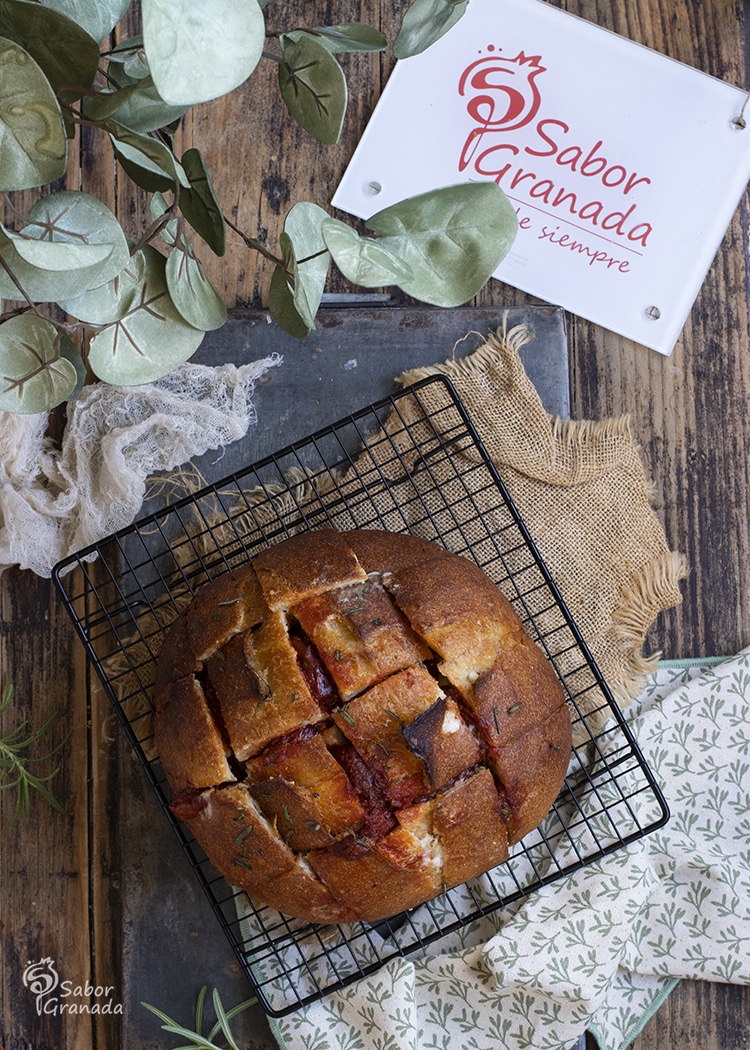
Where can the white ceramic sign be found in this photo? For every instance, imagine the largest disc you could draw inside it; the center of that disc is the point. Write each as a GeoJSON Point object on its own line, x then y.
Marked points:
{"type": "Point", "coordinates": [624, 166]}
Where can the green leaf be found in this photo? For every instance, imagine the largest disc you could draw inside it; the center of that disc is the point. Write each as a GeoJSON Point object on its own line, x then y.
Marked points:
{"type": "Point", "coordinates": [200, 1000]}
{"type": "Point", "coordinates": [306, 258]}
{"type": "Point", "coordinates": [56, 255]}
{"type": "Point", "coordinates": [199, 204]}
{"type": "Point", "coordinates": [34, 377]}
{"type": "Point", "coordinates": [157, 207]}
{"type": "Point", "coordinates": [70, 217]}
{"type": "Point", "coordinates": [127, 61]}
{"type": "Point", "coordinates": [15, 763]}
{"type": "Point", "coordinates": [97, 17]}
{"type": "Point", "coordinates": [199, 51]}
{"type": "Point", "coordinates": [111, 301]}
{"type": "Point", "coordinates": [281, 305]}
{"type": "Point", "coordinates": [425, 22]}
{"type": "Point", "coordinates": [452, 238]}
{"type": "Point", "coordinates": [33, 146]}
{"type": "Point", "coordinates": [142, 171]}
{"type": "Point", "coordinates": [192, 293]}
{"type": "Point", "coordinates": [103, 104]}
{"type": "Point", "coordinates": [353, 36]}
{"type": "Point", "coordinates": [146, 153]}
{"type": "Point", "coordinates": [196, 1041]}
{"type": "Point", "coordinates": [68, 56]}
{"type": "Point", "coordinates": [363, 260]}
{"type": "Point", "coordinates": [72, 353]}
{"type": "Point", "coordinates": [151, 340]}
{"type": "Point", "coordinates": [313, 87]}
{"type": "Point", "coordinates": [223, 1020]}
{"type": "Point", "coordinates": [137, 105]}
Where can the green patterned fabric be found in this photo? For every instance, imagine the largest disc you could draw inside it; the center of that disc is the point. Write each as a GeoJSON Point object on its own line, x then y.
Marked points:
{"type": "Point", "coordinates": [601, 949]}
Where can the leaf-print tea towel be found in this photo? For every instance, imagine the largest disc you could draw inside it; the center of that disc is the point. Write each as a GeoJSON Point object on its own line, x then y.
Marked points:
{"type": "Point", "coordinates": [602, 948]}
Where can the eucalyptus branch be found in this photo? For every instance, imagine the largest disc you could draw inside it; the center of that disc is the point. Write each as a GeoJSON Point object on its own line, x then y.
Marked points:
{"type": "Point", "coordinates": [75, 116]}
{"type": "Point", "coordinates": [315, 255]}
{"type": "Point", "coordinates": [15, 312]}
{"type": "Point", "coordinates": [84, 260]}
{"type": "Point", "coordinates": [153, 230]}
{"type": "Point", "coordinates": [253, 243]}
{"type": "Point", "coordinates": [31, 306]}
{"type": "Point", "coordinates": [9, 204]}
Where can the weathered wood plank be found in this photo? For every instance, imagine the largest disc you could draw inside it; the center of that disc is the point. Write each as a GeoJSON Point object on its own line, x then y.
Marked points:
{"type": "Point", "coordinates": [690, 413]}
{"type": "Point", "coordinates": [44, 859]}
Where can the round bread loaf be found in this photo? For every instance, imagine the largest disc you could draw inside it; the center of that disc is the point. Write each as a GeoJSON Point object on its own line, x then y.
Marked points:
{"type": "Point", "coordinates": [353, 722]}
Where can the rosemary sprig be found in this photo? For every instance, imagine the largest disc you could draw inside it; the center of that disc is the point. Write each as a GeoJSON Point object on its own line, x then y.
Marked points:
{"type": "Point", "coordinates": [14, 764]}
{"type": "Point", "coordinates": [196, 1037]}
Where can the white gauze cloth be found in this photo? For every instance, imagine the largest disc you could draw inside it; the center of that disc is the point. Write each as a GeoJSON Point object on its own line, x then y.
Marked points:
{"type": "Point", "coordinates": [57, 500]}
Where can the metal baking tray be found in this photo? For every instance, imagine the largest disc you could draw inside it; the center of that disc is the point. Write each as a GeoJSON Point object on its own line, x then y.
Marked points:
{"type": "Point", "coordinates": [411, 462]}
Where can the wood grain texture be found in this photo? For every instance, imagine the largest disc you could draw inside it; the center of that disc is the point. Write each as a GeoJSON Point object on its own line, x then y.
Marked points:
{"type": "Point", "coordinates": [61, 891]}
{"type": "Point", "coordinates": [45, 858]}
{"type": "Point", "coordinates": [690, 413]}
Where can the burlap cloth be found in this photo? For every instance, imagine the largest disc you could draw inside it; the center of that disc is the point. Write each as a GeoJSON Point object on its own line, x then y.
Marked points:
{"type": "Point", "coordinates": [583, 493]}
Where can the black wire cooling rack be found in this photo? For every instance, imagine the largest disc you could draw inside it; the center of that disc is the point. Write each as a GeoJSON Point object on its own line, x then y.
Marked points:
{"type": "Point", "coordinates": [411, 462]}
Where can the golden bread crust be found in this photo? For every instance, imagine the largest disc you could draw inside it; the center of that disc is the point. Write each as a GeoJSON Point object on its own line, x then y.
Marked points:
{"type": "Point", "coordinates": [352, 722]}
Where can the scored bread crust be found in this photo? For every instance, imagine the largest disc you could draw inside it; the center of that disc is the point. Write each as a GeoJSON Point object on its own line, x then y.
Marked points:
{"type": "Point", "coordinates": [355, 721]}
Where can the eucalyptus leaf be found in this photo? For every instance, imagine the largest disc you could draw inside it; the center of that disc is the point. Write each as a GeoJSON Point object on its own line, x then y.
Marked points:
{"type": "Point", "coordinates": [306, 257]}
{"type": "Point", "coordinates": [362, 260]}
{"type": "Point", "coordinates": [147, 153]}
{"type": "Point", "coordinates": [104, 104]}
{"type": "Point", "coordinates": [127, 49]}
{"type": "Point", "coordinates": [66, 53]}
{"type": "Point", "coordinates": [57, 255]}
{"type": "Point", "coordinates": [452, 238]}
{"type": "Point", "coordinates": [283, 310]}
{"type": "Point", "coordinates": [97, 17]}
{"type": "Point", "coordinates": [157, 206]}
{"type": "Point", "coordinates": [127, 61]}
{"type": "Point", "coordinates": [33, 145]}
{"type": "Point", "coordinates": [70, 217]}
{"type": "Point", "coordinates": [141, 170]}
{"type": "Point", "coordinates": [424, 23]}
{"type": "Point", "coordinates": [136, 67]}
{"type": "Point", "coordinates": [34, 377]}
{"type": "Point", "coordinates": [192, 293]}
{"type": "Point", "coordinates": [141, 108]}
{"type": "Point", "coordinates": [111, 301]}
{"type": "Point", "coordinates": [313, 87]}
{"type": "Point", "coordinates": [151, 340]}
{"type": "Point", "coordinates": [353, 36]}
{"type": "Point", "coordinates": [72, 353]}
{"type": "Point", "coordinates": [199, 204]}
{"type": "Point", "coordinates": [199, 51]}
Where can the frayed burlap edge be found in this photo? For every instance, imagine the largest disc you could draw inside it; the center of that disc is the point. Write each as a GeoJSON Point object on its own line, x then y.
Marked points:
{"type": "Point", "coordinates": [549, 464]}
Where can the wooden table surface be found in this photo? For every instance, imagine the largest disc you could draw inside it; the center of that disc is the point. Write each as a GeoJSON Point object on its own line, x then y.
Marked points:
{"type": "Point", "coordinates": [61, 893]}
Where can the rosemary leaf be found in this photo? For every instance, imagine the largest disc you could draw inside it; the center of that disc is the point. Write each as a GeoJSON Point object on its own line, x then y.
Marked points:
{"type": "Point", "coordinates": [195, 1039]}
{"type": "Point", "coordinates": [223, 1021]}
{"type": "Point", "coordinates": [14, 763]}
{"type": "Point", "coordinates": [346, 716]}
{"type": "Point", "coordinates": [199, 1009]}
